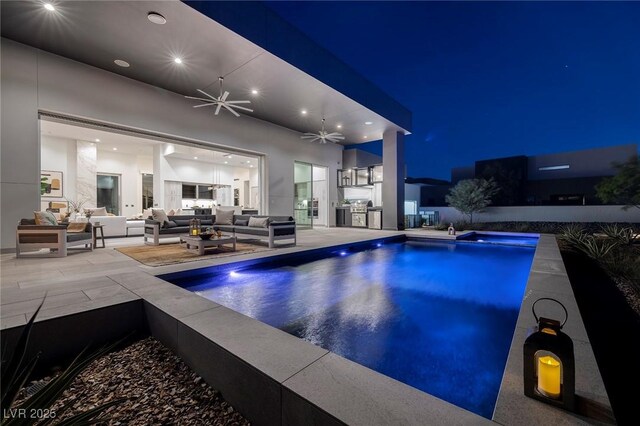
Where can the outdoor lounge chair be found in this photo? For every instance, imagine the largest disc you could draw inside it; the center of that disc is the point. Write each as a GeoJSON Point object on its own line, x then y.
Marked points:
{"type": "Point", "coordinates": [30, 236]}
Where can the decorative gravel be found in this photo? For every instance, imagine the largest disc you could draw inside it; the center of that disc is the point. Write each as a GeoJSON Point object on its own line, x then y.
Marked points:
{"type": "Point", "coordinates": [161, 388]}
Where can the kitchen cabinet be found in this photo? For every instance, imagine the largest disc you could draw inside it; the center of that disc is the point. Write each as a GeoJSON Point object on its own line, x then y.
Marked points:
{"type": "Point", "coordinates": [375, 174]}
{"type": "Point", "coordinates": [189, 191]}
{"type": "Point", "coordinates": [343, 217]}
{"type": "Point", "coordinates": [362, 177]}
{"type": "Point", "coordinates": [345, 178]}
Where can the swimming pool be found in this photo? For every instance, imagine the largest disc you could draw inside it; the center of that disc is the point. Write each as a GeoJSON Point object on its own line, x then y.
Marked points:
{"type": "Point", "coordinates": [438, 316]}
{"type": "Point", "coordinates": [530, 240]}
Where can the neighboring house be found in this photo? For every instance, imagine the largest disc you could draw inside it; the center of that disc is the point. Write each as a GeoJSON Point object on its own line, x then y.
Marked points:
{"type": "Point", "coordinates": [561, 179]}
{"type": "Point", "coordinates": [63, 83]}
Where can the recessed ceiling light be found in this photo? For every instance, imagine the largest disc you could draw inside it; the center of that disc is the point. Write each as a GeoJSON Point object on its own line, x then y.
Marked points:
{"type": "Point", "coordinates": [49, 7]}
{"type": "Point", "coordinates": [226, 162]}
{"type": "Point", "coordinates": [195, 158]}
{"type": "Point", "coordinates": [177, 60]}
{"type": "Point", "coordinates": [121, 63]}
{"type": "Point", "coordinates": [115, 149]}
{"type": "Point", "coordinates": [364, 137]}
{"type": "Point", "coordinates": [368, 123]}
{"type": "Point", "coordinates": [254, 91]}
{"type": "Point", "coordinates": [97, 140]}
{"type": "Point", "coordinates": [156, 18]}
{"type": "Point", "coordinates": [303, 112]}
{"type": "Point", "coordinates": [251, 165]}
{"type": "Point", "coordinates": [339, 126]}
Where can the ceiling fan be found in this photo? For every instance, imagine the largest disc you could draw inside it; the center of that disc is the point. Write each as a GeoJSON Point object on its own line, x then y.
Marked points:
{"type": "Point", "coordinates": [323, 136]}
{"type": "Point", "coordinates": [221, 101]}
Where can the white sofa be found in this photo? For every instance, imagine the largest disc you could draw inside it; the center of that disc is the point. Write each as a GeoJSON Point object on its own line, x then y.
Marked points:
{"type": "Point", "coordinates": [114, 226]}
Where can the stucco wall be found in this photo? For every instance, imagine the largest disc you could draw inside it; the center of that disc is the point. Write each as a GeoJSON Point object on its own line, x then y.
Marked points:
{"type": "Point", "coordinates": [544, 214]}
{"type": "Point", "coordinates": [34, 80]}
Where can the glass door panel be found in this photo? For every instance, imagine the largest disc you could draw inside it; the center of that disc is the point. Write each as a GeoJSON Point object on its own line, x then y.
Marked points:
{"type": "Point", "coordinates": [302, 194]}
{"type": "Point", "coordinates": [319, 197]}
{"type": "Point", "coordinates": [109, 193]}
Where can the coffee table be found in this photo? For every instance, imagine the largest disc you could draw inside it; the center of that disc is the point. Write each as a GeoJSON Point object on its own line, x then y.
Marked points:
{"type": "Point", "coordinates": [200, 245]}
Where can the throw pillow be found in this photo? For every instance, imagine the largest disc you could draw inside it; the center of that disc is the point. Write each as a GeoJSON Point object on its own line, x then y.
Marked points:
{"type": "Point", "coordinates": [45, 218]}
{"type": "Point", "coordinates": [97, 211]}
{"type": "Point", "coordinates": [241, 222]}
{"type": "Point", "coordinates": [169, 224]}
{"type": "Point", "coordinates": [258, 222]}
{"type": "Point", "coordinates": [224, 217]}
{"type": "Point", "coordinates": [160, 216]}
{"type": "Point", "coordinates": [76, 227]}
{"type": "Point", "coordinates": [171, 212]}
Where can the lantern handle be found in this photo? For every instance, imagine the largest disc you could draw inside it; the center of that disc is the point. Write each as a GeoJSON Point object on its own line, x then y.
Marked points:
{"type": "Point", "coordinates": [566, 314]}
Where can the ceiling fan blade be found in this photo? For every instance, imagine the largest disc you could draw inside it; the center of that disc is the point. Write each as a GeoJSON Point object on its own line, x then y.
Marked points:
{"type": "Point", "coordinates": [309, 136]}
{"type": "Point", "coordinates": [207, 95]}
{"type": "Point", "coordinates": [199, 99]}
{"type": "Point", "coordinates": [224, 96]}
{"type": "Point", "coordinates": [238, 102]}
{"type": "Point", "coordinates": [218, 109]}
{"type": "Point", "coordinates": [231, 111]}
{"type": "Point", "coordinates": [239, 107]}
{"type": "Point", "coordinates": [203, 105]}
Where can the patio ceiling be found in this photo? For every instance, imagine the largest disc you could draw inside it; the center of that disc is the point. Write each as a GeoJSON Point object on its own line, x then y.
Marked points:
{"type": "Point", "coordinates": [99, 32]}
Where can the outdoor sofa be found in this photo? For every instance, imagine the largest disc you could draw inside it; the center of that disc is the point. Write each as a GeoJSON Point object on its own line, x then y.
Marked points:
{"type": "Point", "coordinates": [278, 228]}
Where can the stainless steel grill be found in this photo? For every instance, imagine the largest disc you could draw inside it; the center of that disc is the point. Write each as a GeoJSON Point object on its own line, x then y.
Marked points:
{"type": "Point", "coordinates": [358, 208]}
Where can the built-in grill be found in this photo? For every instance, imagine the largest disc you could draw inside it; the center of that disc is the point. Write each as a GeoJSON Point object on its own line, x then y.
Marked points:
{"type": "Point", "coordinates": [359, 214]}
{"type": "Point", "coordinates": [358, 207]}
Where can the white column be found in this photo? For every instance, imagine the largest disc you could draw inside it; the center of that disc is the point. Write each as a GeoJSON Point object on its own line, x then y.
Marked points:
{"type": "Point", "coordinates": [158, 181]}
{"type": "Point", "coordinates": [393, 180]}
{"type": "Point", "coordinates": [86, 173]}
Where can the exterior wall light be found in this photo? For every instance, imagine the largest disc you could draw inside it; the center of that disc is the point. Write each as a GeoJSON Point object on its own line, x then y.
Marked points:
{"type": "Point", "coordinates": [549, 363]}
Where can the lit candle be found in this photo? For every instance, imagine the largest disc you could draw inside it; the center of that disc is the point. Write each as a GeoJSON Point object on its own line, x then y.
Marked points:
{"type": "Point", "coordinates": [549, 376]}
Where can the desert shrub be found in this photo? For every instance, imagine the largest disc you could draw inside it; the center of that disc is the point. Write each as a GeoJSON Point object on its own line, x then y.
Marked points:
{"type": "Point", "coordinates": [460, 226]}
{"type": "Point", "coordinates": [441, 226]}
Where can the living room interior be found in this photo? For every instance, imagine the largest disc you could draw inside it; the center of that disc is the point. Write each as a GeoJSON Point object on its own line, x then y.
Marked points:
{"type": "Point", "coordinates": [129, 175]}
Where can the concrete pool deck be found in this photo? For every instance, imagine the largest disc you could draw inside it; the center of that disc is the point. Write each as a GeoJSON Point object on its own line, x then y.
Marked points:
{"type": "Point", "coordinates": [299, 383]}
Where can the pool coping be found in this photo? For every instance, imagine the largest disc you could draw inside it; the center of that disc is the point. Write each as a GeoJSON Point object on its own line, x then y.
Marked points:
{"type": "Point", "coordinates": [300, 383]}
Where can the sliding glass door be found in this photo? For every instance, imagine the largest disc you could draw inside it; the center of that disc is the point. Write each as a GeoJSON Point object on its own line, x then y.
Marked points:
{"type": "Point", "coordinates": [109, 193]}
{"type": "Point", "coordinates": [310, 195]}
{"type": "Point", "coordinates": [302, 181]}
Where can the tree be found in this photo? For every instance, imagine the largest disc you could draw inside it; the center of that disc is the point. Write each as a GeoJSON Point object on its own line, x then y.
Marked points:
{"type": "Point", "coordinates": [624, 187]}
{"type": "Point", "coordinates": [471, 195]}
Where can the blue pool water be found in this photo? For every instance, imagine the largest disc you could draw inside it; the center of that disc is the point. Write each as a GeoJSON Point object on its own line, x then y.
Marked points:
{"type": "Point", "coordinates": [437, 316]}
{"type": "Point", "coordinates": [510, 239]}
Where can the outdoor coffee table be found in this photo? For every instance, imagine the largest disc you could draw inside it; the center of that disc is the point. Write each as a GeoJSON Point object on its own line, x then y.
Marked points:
{"type": "Point", "coordinates": [196, 243]}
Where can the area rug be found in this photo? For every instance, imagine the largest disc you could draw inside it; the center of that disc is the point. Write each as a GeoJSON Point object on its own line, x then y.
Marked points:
{"type": "Point", "coordinates": [170, 254]}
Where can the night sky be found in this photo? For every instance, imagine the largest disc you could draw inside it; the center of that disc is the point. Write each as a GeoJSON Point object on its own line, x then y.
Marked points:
{"type": "Point", "coordinates": [487, 80]}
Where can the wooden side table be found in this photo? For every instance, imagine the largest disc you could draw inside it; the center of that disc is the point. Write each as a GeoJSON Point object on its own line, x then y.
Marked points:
{"type": "Point", "coordinates": [97, 228]}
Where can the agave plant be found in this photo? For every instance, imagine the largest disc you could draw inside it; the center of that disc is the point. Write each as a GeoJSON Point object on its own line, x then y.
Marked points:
{"type": "Point", "coordinates": [574, 234]}
{"type": "Point", "coordinates": [16, 370]}
{"type": "Point", "coordinates": [596, 248]}
{"type": "Point", "coordinates": [624, 235]}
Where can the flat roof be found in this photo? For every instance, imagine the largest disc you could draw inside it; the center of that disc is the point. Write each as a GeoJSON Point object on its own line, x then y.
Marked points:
{"type": "Point", "coordinates": [245, 42]}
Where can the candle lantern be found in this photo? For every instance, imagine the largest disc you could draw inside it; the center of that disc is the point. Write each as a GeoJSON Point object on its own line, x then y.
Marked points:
{"type": "Point", "coordinates": [549, 364]}
{"type": "Point", "coordinates": [194, 227]}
